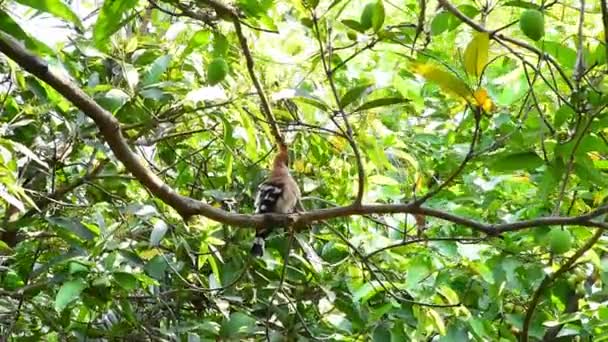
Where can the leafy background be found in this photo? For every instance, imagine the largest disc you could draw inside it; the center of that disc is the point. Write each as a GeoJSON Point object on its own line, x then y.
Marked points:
{"type": "Point", "coordinates": [483, 125]}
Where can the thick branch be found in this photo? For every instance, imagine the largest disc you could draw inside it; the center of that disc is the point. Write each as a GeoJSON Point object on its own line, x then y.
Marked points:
{"type": "Point", "coordinates": [108, 126]}
{"type": "Point", "coordinates": [186, 206]}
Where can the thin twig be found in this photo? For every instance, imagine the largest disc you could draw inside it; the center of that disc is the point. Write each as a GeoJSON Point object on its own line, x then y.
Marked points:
{"type": "Point", "coordinates": [546, 282]}
{"type": "Point", "coordinates": [497, 36]}
{"type": "Point", "coordinates": [467, 158]}
{"type": "Point", "coordinates": [349, 132]}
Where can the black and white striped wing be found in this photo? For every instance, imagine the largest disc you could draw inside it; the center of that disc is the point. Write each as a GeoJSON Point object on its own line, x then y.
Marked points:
{"type": "Point", "coordinates": [268, 195]}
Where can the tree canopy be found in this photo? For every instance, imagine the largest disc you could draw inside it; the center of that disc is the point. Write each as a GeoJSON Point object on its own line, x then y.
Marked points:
{"type": "Point", "coordinates": [452, 157]}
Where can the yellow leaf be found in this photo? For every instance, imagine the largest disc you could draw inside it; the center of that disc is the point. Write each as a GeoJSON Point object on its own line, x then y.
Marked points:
{"type": "Point", "coordinates": [446, 80]}
{"type": "Point", "coordinates": [483, 100]}
{"type": "Point", "coordinates": [148, 253]}
{"type": "Point", "coordinates": [594, 156]}
{"type": "Point", "coordinates": [299, 166]}
{"type": "Point", "coordinates": [476, 54]}
{"type": "Point", "coordinates": [437, 321]}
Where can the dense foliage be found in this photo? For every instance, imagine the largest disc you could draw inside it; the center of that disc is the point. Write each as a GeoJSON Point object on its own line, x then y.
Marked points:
{"type": "Point", "coordinates": [465, 141]}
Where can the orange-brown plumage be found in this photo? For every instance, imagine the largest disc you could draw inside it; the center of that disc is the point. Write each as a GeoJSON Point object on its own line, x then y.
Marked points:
{"type": "Point", "coordinates": [279, 193]}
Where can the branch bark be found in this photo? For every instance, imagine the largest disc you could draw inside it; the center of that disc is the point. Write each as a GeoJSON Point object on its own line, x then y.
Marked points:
{"type": "Point", "coordinates": [111, 131]}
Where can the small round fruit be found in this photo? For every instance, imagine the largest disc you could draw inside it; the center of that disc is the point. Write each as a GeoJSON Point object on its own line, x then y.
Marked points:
{"type": "Point", "coordinates": [366, 16]}
{"type": "Point", "coordinates": [560, 241]}
{"type": "Point", "coordinates": [532, 24]}
{"type": "Point", "coordinates": [217, 71]}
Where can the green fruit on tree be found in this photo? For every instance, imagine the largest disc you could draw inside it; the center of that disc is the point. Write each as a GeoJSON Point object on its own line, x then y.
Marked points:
{"type": "Point", "coordinates": [366, 16]}
{"type": "Point", "coordinates": [217, 71]}
{"type": "Point", "coordinates": [560, 241]}
{"type": "Point", "coordinates": [532, 24]}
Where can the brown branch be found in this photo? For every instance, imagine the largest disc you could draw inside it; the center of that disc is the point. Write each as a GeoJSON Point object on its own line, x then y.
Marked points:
{"type": "Point", "coordinates": [463, 164]}
{"type": "Point", "coordinates": [550, 278]}
{"type": "Point", "coordinates": [110, 130]}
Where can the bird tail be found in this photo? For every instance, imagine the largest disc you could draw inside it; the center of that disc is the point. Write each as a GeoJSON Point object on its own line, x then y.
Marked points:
{"type": "Point", "coordinates": [257, 249]}
{"type": "Point", "coordinates": [259, 242]}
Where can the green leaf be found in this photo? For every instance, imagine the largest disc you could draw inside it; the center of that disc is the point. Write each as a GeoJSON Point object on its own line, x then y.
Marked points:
{"type": "Point", "coordinates": [10, 199]}
{"type": "Point", "coordinates": [54, 7]}
{"type": "Point", "coordinates": [156, 70]}
{"type": "Point", "coordinates": [382, 180]}
{"type": "Point", "coordinates": [476, 54]}
{"type": "Point", "coordinates": [69, 292]}
{"type": "Point", "coordinates": [386, 101]}
{"type": "Point", "coordinates": [311, 4]}
{"type": "Point", "coordinates": [199, 39]}
{"type": "Point", "coordinates": [416, 272]}
{"type": "Point", "coordinates": [156, 267]}
{"type": "Point", "coordinates": [132, 76]}
{"type": "Point", "coordinates": [353, 94]}
{"type": "Point", "coordinates": [77, 267]}
{"type": "Point", "coordinates": [562, 115]}
{"type": "Point", "coordinates": [9, 26]}
{"type": "Point", "coordinates": [74, 226]}
{"type": "Point", "coordinates": [446, 21]}
{"type": "Point", "coordinates": [437, 320]}
{"type": "Point", "coordinates": [381, 334]}
{"type": "Point", "coordinates": [440, 23]}
{"type": "Point", "coordinates": [521, 4]}
{"type": "Point", "coordinates": [110, 20]}
{"type": "Point", "coordinates": [517, 161]}
{"type": "Point", "coordinates": [5, 248]}
{"type": "Point", "coordinates": [238, 324]}
{"type": "Point", "coordinates": [455, 333]}
{"type": "Point", "coordinates": [220, 44]}
{"type": "Point", "coordinates": [367, 291]}
{"type": "Point", "coordinates": [378, 16]}
{"type": "Point", "coordinates": [564, 55]}
{"type": "Point", "coordinates": [126, 280]}
{"type": "Point", "coordinates": [353, 24]}
{"type": "Point", "coordinates": [313, 101]}
{"type": "Point", "coordinates": [113, 100]}
{"type": "Point", "coordinates": [551, 178]}
{"type": "Point", "coordinates": [586, 171]}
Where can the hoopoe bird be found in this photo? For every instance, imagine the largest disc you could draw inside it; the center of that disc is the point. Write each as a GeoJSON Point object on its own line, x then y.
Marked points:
{"type": "Point", "coordinates": [279, 193]}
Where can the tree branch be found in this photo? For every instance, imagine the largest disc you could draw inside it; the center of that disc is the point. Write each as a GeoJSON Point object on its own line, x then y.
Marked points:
{"type": "Point", "coordinates": [550, 278]}
{"type": "Point", "coordinates": [495, 35]}
{"type": "Point", "coordinates": [349, 131]}
{"type": "Point", "coordinates": [231, 14]}
{"type": "Point", "coordinates": [111, 131]}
